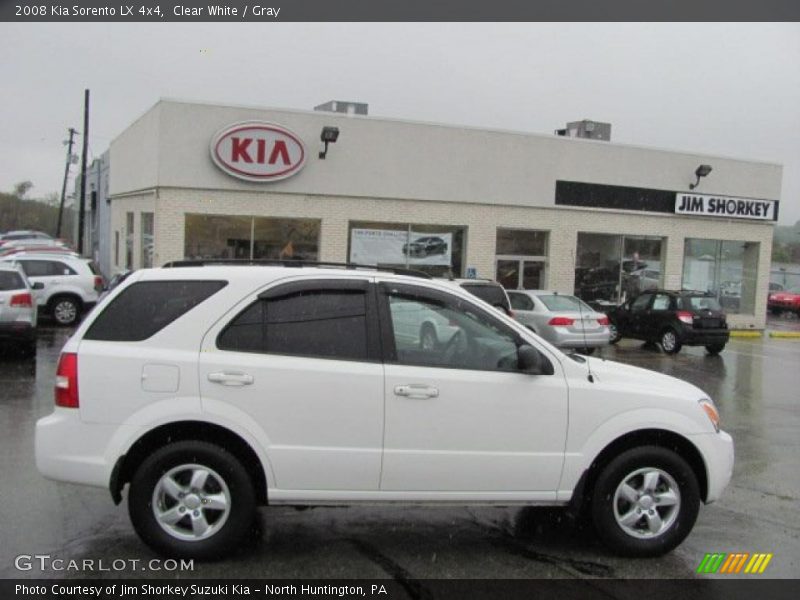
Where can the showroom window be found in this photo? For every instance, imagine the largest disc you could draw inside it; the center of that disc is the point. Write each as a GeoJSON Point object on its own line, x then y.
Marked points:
{"type": "Point", "coordinates": [147, 240]}
{"type": "Point", "coordinates": [521, 259]}
{"type": "Point", "coordinates": [129, 240]}
{"type": "Point", "coordinates": [434, 249]}
{"type": "Point", "coordinates": [613, 268]}
{"type": "Point", "coordinates": [727, 269]}
{"type": "Point", "coordinates": [229, 236]}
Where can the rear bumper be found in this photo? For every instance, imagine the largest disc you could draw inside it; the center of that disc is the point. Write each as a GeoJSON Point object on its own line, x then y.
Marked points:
{"type": "Point", "coordinates": [705, 337]}
{"type": "Point", "coordinates": [69, 450]}
{"type": "Point", "coordinates": [18, 331]}
{"type": "Point", "coordinates": [566, 339]}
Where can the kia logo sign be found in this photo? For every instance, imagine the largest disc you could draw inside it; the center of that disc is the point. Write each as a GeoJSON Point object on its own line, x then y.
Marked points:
{"type": "Point", "coordinates": [258, 151]}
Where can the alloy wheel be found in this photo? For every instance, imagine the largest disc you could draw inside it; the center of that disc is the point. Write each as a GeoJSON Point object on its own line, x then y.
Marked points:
{"type": "Point", "coordinates": [647, 503]}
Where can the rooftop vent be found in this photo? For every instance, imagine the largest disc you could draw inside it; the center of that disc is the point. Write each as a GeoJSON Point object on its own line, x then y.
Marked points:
{"type": "Point", "coordinates": [341, 106]}
{"type": "Point", "coordinates": [593, 130]}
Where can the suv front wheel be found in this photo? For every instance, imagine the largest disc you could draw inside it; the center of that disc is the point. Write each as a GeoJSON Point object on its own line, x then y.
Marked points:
{"type": "Point", "coordinates": [645, 502]}
{"type": "Point", "coordinates": [65, 309]}
{"type": "Point", "coordinates": [192, 499]}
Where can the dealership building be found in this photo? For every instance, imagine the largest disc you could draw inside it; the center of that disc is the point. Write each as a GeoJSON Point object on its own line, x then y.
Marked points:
{"type": "Point", "coordinates": [572, 212]}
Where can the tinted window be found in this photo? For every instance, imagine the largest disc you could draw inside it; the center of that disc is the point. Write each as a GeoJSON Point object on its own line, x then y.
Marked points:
{"type": "Point", "coordinates": [699, 303]}
{"type": "Point", "coordinates": [45, 268]}
{"type": "Point", "coordinates": [493, 294]}
{"type": "Point", "coordinates": [9, 280]}
{"type": "Point", "coordinates": [315, 323]}
{"type": "Point", "coordinates": [146, 307]}
{"type": "Point", "coordinates": [520, 301]}
{"type": "Point", "coordinates": [661, 302]}
{"type": "Point", "coordinates": [641, 303]}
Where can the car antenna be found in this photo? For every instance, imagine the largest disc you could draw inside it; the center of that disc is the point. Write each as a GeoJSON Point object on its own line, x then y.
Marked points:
{"type": "Point", "coordinates": [590, 375]}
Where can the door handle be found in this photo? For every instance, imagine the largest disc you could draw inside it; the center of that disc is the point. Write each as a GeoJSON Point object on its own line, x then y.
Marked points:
{"type": "Point", "coordinates": [230, 378]}
{"type": "Point", "coordinates": [416, 390]}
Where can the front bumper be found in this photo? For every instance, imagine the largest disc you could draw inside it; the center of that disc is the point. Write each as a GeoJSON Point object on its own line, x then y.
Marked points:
{"type": "Point", "coordinates": [718, 455]}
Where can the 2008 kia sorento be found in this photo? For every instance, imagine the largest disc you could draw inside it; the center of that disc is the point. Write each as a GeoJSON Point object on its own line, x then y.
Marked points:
{"type": "Point", "coordinates": [212, 389]}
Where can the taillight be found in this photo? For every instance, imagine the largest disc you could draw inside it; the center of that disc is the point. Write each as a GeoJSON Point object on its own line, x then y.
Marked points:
{"type": "Point", "coordinates": [561, 321]}
{"type": "Point", "coordinates": [685, 317]}
{"type": "Point", "coordinates": [67, 381]}
{"type": "Point", "coordinates": [98, 284]}
{"type": "Point", "coordinates": [21, 300]}
{"type": "Point", "coordinates": [603, 321]}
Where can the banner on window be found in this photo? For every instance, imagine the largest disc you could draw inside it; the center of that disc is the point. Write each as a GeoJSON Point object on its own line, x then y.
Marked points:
{"type": "Point", "coordinates": [388, 247]}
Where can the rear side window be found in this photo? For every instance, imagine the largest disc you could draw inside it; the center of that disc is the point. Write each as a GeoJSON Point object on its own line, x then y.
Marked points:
{"type": "Point", "coordinates": [146, 307]}
{"type": "Point", "coordinates": [320, 323]}
{"type": "Point", "coordinates": [9, 280]}
{"type": "Point", "coordinates": [699, 303]}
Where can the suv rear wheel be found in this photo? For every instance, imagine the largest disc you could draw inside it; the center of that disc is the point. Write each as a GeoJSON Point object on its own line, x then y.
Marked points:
{"type": "Point", "coordinates": [65, 309]}
{"type": "Point", "coordinates": [645, 502]}
{"type": "Point", "coordinates": [670, 341]}
{"type": "Point", "coordinates": [192, 499]}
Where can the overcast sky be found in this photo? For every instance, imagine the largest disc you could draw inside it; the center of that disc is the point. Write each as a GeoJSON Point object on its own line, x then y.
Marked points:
{"type": "Point", "coordinates": [727, 89]}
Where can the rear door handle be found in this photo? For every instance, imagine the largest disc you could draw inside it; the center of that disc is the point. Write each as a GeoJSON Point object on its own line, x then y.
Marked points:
{"type": "Point", "coordinates": [416, 390]}
{"type": "Point", "coordinates": [231, 378]}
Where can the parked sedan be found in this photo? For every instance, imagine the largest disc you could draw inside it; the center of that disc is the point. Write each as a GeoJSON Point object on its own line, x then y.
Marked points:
{"type": "Point", "coordinates": [672, 319]}
{"type": "Point", "coordinates": [17, 309]}
{"type": "Point", "coordinates": [563, 320]}
{"type": "Point", "coordinates": [788, 300]}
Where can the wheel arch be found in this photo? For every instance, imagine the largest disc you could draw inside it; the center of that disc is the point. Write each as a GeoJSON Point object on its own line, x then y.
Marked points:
{"type": "Point", "coordinates": [182, 431]}
{"type": "Point", "coordinates": [642, 437]}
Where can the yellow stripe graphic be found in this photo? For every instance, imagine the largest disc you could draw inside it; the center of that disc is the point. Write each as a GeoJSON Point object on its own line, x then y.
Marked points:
{"type": "Point", "coordinates": [765, 563]}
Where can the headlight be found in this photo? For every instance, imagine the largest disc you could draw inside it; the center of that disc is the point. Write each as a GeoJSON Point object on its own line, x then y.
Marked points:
{"type": "Point", "coordinates": [711, 412]}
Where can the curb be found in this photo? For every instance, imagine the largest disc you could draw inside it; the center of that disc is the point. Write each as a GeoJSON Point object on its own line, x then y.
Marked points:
{"type": "Point", "coordinates": [789, 335]}
{"type": "Point", "coordinates": [743, 333]}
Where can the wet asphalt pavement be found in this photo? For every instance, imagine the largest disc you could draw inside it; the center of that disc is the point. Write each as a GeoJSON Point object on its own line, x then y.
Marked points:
{"type": "Point", "coordinates": [755, 382]}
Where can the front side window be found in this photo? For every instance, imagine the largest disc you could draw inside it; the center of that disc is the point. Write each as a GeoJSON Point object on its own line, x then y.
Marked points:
{"type": "Point", "coordinates": [436, 330]}
{"type": "Point", "coordinates": [318, 323]}
{"type": "Point", "coordinates": [661, 302]}
{"type": "Point", "coordinates": [641, 303]}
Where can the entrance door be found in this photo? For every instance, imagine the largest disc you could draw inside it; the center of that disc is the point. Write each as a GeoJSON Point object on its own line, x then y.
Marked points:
{"type": "Point", "coordinates": [518, 273]}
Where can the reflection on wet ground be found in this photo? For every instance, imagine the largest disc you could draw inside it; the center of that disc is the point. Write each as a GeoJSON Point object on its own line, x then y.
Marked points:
{"type": "Point", "coordinates": [755, 382]}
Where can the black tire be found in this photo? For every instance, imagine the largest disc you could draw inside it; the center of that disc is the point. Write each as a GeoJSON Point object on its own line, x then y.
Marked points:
{"type": "Point", "coordinates": [65, 310]}
{"type": "Point", "coordinates": [428, 340]}
{"type": "Point", "coordinates": [615, 335]}
{"type": "Point", "coordinates": [714, 349]}
{"type": "Point", "coordinates": [670, 341]}
{"type": "Point", "coordinates": [677, 520]}
{"type": "Point", "coordinates": [775, 311]}
{"type": "Point", "coordinates": [220, 463]}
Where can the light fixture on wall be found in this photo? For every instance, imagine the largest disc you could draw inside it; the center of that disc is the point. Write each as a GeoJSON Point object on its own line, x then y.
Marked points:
{"type": "Point", "coordinates": [700, 171]}
{"type": "Point", "coordinates": [329, 135]}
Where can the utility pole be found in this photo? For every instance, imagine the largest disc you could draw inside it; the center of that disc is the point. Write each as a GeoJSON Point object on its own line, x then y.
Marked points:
{"type": "Point", "coordinates": [82, 208]}
{"type": "Point", "coordinates": [72, 133]}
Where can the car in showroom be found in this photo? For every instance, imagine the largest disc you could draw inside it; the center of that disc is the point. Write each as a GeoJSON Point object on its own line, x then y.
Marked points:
{"type": "Point", "coordinates": [425, 246]}
{"type": "Point", "coordinates": [784, 301]}
{"type": "Point", "coordinates": [202, 392]}
{"type": "Point", "coordinates": [18, 316]}
{"type": "Point", "coordinates": [563, 320]}
{"type": "Point", "coordinates": [672, 319]}
{"type": "Point", "coordinates": [70, 284]}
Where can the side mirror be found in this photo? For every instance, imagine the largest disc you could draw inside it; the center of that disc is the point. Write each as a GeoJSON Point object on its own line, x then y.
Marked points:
{"type": "Point", "coordinates": [530, 360]}
{"type": "Point", "coordinates": [37, 286]}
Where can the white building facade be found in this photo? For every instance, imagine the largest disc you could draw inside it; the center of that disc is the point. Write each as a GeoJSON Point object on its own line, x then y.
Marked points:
{"type": "Point", "coordinates": [602, 220]}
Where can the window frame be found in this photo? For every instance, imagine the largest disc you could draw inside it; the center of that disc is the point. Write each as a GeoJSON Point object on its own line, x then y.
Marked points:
{"type": "Point", "coordinates": [373, 345]}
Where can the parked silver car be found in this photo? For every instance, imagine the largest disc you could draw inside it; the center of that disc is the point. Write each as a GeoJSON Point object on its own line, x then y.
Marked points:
{"type": "Point", "coordinates": [561, 319]}
{"type": "Point", "coordinates": [17, 309]}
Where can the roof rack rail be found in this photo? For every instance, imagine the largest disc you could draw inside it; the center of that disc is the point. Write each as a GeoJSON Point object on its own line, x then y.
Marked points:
{"type": "Point", "coordinates": [262, 262]}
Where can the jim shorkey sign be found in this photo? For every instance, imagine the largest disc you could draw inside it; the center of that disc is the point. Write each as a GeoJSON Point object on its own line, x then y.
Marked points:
{"type": "Point", "coordinates": [725, 206]}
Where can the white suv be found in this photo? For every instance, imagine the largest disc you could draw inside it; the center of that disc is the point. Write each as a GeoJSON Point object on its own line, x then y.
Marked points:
{"type": "Point", "coordinates": [212, 389]}
{"type": "Point", "coordinates": [70, 284]}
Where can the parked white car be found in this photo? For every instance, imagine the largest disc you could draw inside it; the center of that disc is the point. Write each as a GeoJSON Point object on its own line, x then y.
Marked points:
{"type": "Point", "coordinates": [209, 390]}
{"type": "Point", "coordinates": [17, 309]}
{"type": "Point", "coordinates": [70, 284]}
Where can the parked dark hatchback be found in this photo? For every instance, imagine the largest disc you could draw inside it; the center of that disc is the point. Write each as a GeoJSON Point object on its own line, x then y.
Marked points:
{"type": "Point", "coordinates": [672, 319]}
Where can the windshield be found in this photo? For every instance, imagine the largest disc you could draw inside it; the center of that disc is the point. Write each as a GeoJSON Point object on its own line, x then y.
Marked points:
{"type": "Point", "coordinates": [700, 303]}
{"type": "Point", "coordinates": [564, 303]}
